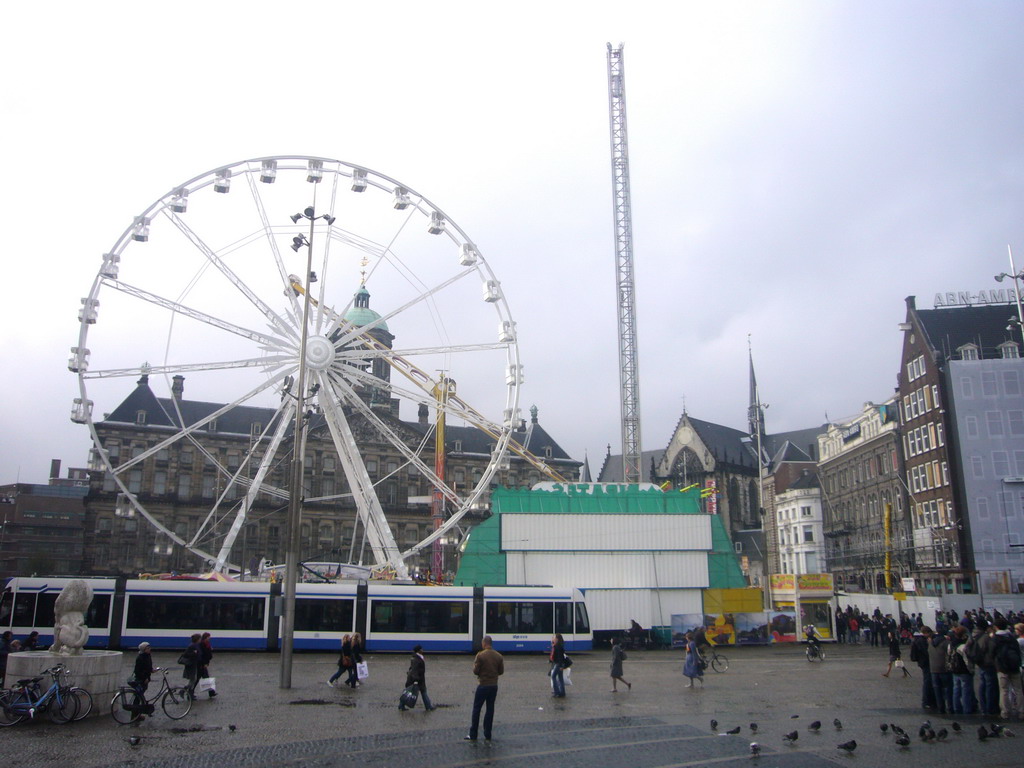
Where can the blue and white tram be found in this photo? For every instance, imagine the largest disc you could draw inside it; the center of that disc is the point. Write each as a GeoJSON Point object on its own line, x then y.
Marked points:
{"type": "Point", "coordinates": [246, 615]}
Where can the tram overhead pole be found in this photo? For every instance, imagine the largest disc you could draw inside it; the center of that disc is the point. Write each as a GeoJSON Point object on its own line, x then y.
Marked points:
{"type": "Point", "coordinates": [629, 375]}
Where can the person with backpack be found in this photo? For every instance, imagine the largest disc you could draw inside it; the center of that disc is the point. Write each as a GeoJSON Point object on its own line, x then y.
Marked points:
{"type": "Point", "coordinates": [919, 654]}
{"type": "Point", "coordinates": [1007, 660]}
{"type": "Point", "coordinates": [964, 700]}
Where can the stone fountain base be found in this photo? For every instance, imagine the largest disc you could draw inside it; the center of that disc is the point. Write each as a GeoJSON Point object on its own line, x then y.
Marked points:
{"type": "Point", "coordinates": [99, 672]}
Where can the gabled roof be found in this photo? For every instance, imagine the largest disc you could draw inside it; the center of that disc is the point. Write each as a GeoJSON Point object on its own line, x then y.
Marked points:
{"type": "Point", "coordinates": [947, 329]}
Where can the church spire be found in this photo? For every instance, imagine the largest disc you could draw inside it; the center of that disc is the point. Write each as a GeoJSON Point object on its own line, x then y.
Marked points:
{"type": "Point", "coordinates": [755, 411]}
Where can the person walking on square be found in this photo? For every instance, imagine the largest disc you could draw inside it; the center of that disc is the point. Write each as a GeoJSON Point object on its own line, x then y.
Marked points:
{"type": "Point", "coordinates": [346, 653]}
{"type": "Point", "coordinates": [418, 674]}
{"type": "Point", "coordinates": [693, 668]}
{"type": "Point", "coordinates": [557, 667]}
{"type": "Point", "coordinates": [488, 666]}
{"type": "Point", "coordinates": [618, 656]}
{"type": "Point", "coordinates": [192, 657]}
{"type": "Point", "coordinates": [895, 655]}
{"type": "Point", "coordinates": [205, 657]}
{"type": "Point", "coordinates": [356, 653]}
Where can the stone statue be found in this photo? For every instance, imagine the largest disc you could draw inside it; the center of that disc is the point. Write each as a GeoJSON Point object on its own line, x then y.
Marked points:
{"type": "Point", "coordinates": [70, 634]}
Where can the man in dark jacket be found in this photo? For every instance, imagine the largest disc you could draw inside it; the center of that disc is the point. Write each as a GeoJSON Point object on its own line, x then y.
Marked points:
{"type": "Point", "coordinates": [982, 649]}
{"type": "Point", "coordinates": [942, 678]}
{"type": "Point", "coordinates": [919, 653]}
{"type": "Point", "coordinates": [418, 674]}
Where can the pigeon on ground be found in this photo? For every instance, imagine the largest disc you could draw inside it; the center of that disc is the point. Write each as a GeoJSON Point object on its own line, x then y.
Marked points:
{"type": "Point", "coordinates": [897, 729]}
{"type": "Point", "coordinates": [837, 724]}
{"type": "Point", "coordinates": [926, 724]}
{"type": "Point", "coordinates": [1008, 733]}
{"type": "Point", "coordinates": [926, 734]}
{"type": "Point", "coordinates": [884, 727]}
{"type": "Point", "coordinates": [941, 734]}
{"type": "Point", "coordinates": [982, 733]}
{"type": "Point", "coordinates": [134, 740]}
{"type": "Point", "coordinates": [956, 726]}
{"type": "Point", "coordinates": [232, 727]}
{"type": "Point", "coordinates": [714, 725]}
{"type": "Point", "coordinates": [815, 726]}
{"type": "Point", "coordinates": [997, 729]}
{"type": "Point", "coordinates": [793, 717]}
{"type": "Point", "coordinates": [847, 746]}
{"type": "Point", "coordinates": [791, 737]}
{"type": "Point", "coordinates": [733, 731]}
{"type": "Point", "coordinates": [902, 740]}
{"type": "Point", "coordinates": [755, 748]}
{"type": "Point", "coordinates": [753, 727]}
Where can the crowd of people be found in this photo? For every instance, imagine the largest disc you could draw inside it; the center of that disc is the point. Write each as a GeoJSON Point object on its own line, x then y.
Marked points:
{"type": "Point", "coordinates": [969, 664]}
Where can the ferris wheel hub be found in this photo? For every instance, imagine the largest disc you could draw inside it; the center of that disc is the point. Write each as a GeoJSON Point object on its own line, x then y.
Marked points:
{"type": "Point", "coordinates": [319, 353]}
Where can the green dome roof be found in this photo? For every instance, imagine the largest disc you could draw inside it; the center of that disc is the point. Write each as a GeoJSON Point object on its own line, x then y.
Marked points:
{"type": "Point", "coordinates": [360, 314]}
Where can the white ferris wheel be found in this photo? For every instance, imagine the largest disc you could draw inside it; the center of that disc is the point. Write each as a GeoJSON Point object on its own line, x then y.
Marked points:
{"type": "Point", "coordinates": [208, 283]}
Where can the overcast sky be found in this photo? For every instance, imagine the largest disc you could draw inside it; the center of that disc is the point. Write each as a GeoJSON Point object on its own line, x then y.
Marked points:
{"type": "Point", "coordinates": [798, 168]}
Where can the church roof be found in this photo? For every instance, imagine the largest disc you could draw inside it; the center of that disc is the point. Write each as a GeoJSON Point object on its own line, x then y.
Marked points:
{"type": "Point", "coordinates": [360, 314]}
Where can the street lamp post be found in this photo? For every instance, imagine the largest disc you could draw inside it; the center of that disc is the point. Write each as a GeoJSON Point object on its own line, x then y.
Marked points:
{"type": "Point", "coordinates": [295, 488]}
{"type": "Point", "coordinates": [1016, 277]}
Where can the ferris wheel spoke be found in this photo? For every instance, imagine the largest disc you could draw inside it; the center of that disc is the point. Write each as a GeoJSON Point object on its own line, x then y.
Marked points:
{"type": "Point", "coordinates": [343, 392]}
{"type": "Point", "coordinates": [284, 416]}
{"type": "Point", "coordinates": [275, 319]}
{"type": "Point", "coordinates": [269, 361]}
{"type": "Point", "coordinates": [187, 431]}
{"type": "Point", "coordinates": [382, 541]}
{"type": "Point", "coordinates": [268, 232]}
{"type": "Point", "coordinates": [195, 314]}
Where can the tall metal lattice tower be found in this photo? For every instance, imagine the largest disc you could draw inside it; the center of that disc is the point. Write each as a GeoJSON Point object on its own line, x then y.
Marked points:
{"type": "Point", "coordinates": [629, 376]}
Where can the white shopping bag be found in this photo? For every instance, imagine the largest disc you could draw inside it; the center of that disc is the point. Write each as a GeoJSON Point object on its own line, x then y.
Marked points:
{"type": "Point", "coordinates": [362, 670]}
{"type": "Point", "coordinates": [207, 684]}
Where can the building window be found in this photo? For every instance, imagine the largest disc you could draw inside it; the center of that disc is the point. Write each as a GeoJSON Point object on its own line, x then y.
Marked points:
{"type": "Point", "coordinates": [1001, 464]}
{"type": "Point", "coordinates": [808, 534]}
{"type": "Point", "coordinates": [184, 486]}
{"type": "Point", "coordinates": [135, 480]}
{"type": "Point", "coordinates": [977, 467]}
{"type": "Point", "coordinates": [1011, 382]}
{"type": "Point", "coordinates": [1016, 422]}
{"type": "Point", "coordinates": [968, 352]}
{"type": "Point", "coordinates": [1009, 349]}
{"type": "Point", "coordinates": [994, 421]}
{"type": "Point", "coordinates": [140, 417]}
{"type": "Point", "coordinates": [159, 482]}
{"type": "Point", "coordinates": [255, 429]}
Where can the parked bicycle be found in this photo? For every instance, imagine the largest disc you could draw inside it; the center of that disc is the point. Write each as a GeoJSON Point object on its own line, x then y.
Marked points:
{"type": "Point", "coordinates": [82, 696]}
{"type": "Point", "coordinates": [129, 705]}
{"type": "Point", "coordinates": [27, 699]}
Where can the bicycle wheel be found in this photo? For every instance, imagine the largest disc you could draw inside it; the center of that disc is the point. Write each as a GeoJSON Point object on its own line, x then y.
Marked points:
{"type": "Point", "coordinates": [63, 708]}
{"type": "Point", "coordinates": [176, 703]}
{"type": "Point", "coordinates": [119, 707]}
{"type": "Point", "coordinates": [8, 715]}
{"type": "Point", "coordinates": [84, 699]}
{"type": "Point", "coordinates": [719, 663]}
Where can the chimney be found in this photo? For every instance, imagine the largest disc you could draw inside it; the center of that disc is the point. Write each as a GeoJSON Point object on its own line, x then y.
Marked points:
{"type": "Point", "coordinates": [423, 413]}
{"type": "Point", "coordinates": [178, 387]}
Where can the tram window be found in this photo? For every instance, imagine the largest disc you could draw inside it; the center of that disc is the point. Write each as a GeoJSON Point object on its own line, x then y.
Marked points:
{"type": "Point", "coordinates": [582, 622]}
{"type": "Point", "coordinates": [520, 618]}
{"type": "Point", "coordinates": [195, 612]}
{"type": "Point", "coordinates": [24, 609]}
{"type": "Point", "coordinates": [323, 615]}
{"type": "Point", "coordinates": [6, 604]}
{"type": "Point", "coordinates": [563, 618]}
{"type": "Point", "coordinates": [428, 616]}
{"type": "Point", "coordinates": [97, 617]}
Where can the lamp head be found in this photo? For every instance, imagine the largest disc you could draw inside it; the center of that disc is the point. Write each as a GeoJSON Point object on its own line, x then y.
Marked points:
{"type": "Point", "coordinates": [297, 242]}
{"type": "Point", "coordinates": [999, 277]}
{"type": "Point", "coordinates": [295, 218]}
{"type": "Point", "coordinates": [328, 218]}
{"type": "Point", "coordinates": [309, 212]}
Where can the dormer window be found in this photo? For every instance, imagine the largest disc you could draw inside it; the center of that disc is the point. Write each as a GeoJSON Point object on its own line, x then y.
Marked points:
{"type": "Point", "coordinates": [140, 417]}
{"type": "Point", "coordinates": [547, 451]}
{"type": "Point", "coordinates": [968, 352]}
{"type": "Point", "coordinates": [1009, 350]}
{"type": "Point", "coordinates": [458, 446]}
